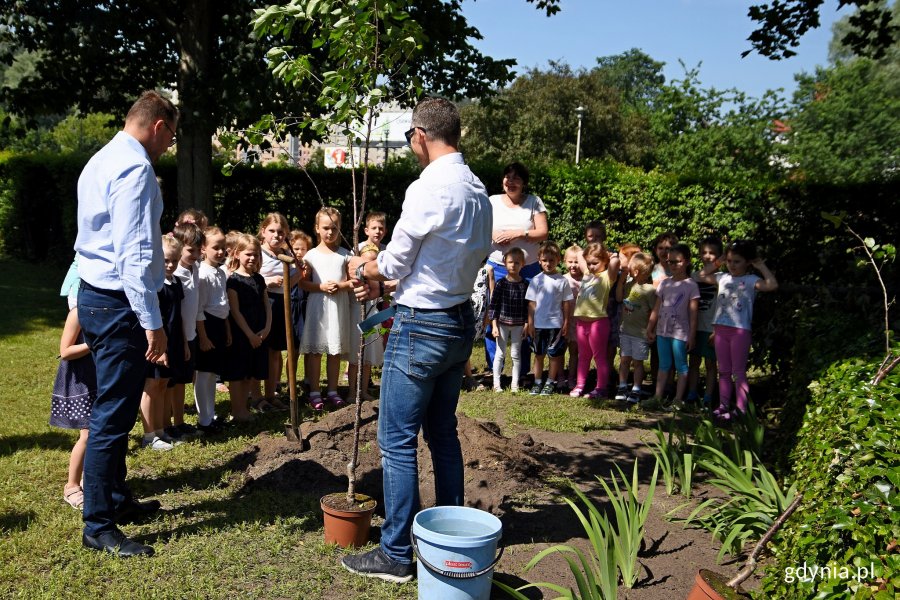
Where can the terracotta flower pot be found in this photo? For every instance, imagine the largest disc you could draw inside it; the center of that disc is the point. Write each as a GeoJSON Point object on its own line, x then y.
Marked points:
{"type": "Point", "coordinates": [709, 585]}
{"type": "Point", "coordinates": [347, 526]}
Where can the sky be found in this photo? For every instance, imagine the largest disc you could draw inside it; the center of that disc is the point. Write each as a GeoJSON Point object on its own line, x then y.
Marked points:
{"type": "Point", "coordinates": [711, 32]}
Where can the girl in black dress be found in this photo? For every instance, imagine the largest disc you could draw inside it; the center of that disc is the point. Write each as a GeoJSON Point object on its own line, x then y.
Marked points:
{"type": "Point", "coordinates": [251, 321]}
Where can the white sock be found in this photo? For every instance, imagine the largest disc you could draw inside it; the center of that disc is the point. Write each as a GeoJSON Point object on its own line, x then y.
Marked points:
{"type": "Point", "coordinates": [537, 382]}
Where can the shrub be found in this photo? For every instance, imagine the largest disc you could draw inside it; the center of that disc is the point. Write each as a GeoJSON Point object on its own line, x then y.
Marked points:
{"type": "Point", "coordinates": [847, 462]}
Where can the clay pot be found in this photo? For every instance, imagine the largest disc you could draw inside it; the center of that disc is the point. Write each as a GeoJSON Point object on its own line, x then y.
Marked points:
{"type": "Point", "coordinates": [347, 526]}
{"type": "Point", "coordinates": [709, 585]}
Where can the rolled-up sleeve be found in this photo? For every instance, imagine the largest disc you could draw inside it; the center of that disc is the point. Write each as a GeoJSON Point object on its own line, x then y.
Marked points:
{"type": "Point", "coordinates": [418, 218]}
{"type": "Point", "coordinates": [135, 235]}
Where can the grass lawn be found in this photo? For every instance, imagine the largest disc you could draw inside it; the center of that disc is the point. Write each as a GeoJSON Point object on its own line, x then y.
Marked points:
{"type": "Point", "coordinates": [213, 540]}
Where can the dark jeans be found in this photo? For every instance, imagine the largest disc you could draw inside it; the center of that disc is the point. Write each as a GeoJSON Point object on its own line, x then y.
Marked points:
{"type": "Point", "coordinates": [118, 344]}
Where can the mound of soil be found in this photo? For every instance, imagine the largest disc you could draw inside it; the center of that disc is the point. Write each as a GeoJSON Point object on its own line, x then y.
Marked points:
{"type": "Point", "coordinates": [497, 468]}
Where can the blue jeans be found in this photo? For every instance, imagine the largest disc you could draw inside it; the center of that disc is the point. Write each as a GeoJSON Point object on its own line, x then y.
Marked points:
{"type": "Point", "coordinates": [118, 344]}
{"type": "Point", "coordinates": [420, 384]}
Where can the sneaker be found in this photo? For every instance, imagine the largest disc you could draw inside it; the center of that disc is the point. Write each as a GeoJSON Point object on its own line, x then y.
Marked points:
{"type": "Point", "coordinates": [633, 397]}
{"type": "Point", "coordinates": [549, 389]}
{"type": "Point", "coordinates": [536, 389]}
{"type": "Point", "coordinates": [498, 390]}
{"type": "Point", "coordinates": [157, 444]}
{"type": "Point", "coordinates": [622, 393]}
{"type": "Point", "coordinates": [596, 394]}
{"type": "Point", "coordinates": [213, 428]}
{"type": "Point", "coordinates": [576, 392]}
{"type": "Point", "coordinates": [174, 441]}
{"type": "Point", "coordinates": [187, 429]}
{"type": "Point", "coordinates": [376, 564]}
{"type": "Point", "coordinates": [172, 433]}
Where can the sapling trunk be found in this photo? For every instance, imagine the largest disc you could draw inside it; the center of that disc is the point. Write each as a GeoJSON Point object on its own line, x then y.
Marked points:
{"type": "Point", "coordinates": [750, 565]}
{"type": "Point", "coordinates": [358, 213]}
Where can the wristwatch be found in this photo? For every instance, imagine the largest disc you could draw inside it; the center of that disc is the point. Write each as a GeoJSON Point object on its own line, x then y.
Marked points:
{"type": "Point", "coordinates": [360, 271]}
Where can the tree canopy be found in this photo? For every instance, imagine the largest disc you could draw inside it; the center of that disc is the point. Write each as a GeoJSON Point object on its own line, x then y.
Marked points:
{"type": "Point", "coordinates": [98, 56]}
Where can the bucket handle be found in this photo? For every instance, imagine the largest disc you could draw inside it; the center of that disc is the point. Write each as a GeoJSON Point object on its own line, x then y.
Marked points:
{"type": "Point", "coordinates": [451, 574]}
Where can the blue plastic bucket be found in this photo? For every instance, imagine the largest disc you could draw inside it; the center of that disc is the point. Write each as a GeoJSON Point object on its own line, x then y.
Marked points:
{"type": "Point", "coordinates": [455, 547]}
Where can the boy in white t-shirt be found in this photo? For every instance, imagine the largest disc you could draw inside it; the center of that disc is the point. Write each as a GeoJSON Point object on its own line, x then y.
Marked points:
{"type": "Point", "coordinates": [375, 230]}
{"type": "Point", "coordinates": [549, 305]}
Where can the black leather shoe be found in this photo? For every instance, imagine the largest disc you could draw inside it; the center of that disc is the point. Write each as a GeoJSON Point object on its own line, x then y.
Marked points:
{"type": "Point", "coordinates": [134, 510]}
{"type": "Point", "coordinates": [116, 543]}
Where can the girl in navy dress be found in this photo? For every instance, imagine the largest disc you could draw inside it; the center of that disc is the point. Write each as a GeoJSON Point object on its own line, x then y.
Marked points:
{"type": "Point", "coordinates": [153, 400]}
{"type": "Point", "coordinates": [251, 321]}
{"type": "Point", "coordinates": [74, 391]}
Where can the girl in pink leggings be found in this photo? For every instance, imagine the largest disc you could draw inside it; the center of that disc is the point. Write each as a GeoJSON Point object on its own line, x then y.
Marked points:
{"type": "Point", "coordinates": [734, 315]}
{"type": "Point", "coordinates": [591, 319]}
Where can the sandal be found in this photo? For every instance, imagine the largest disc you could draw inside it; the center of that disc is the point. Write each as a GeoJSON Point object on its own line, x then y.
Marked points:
{"type": "Point", "coordinates": [315, 401]}
{"type": "Point", "coordinates": [74, 497]}
{"type": "Point", "coordinates": [335, 399]}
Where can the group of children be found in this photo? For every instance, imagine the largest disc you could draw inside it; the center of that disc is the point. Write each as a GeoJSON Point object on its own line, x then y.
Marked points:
{"type": "Point", "coordinates": [223, 313]}
{"type": "Point", "coordinates": [646, 305]}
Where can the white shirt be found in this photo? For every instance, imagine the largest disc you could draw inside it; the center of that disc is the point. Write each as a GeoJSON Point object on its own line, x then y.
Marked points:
{"type": "Point", "coordinates": [548, 292]}
{"type": "Point", "coordinates": [442, 237]}
{"type": "Point", "coordinates": [272, 266]}
{"type": "Point", "coordinates": [119, 242]}
{"type": "Point", "coordinates": [517, 218]}
{"type": "Point", "coordinates": [190, 305]}
{"type": "Point", "coordinates": [212, 296]}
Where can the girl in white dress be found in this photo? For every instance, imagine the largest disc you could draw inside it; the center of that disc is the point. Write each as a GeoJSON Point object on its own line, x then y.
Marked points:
{"type": "Point", "coordinates": [327, 326]}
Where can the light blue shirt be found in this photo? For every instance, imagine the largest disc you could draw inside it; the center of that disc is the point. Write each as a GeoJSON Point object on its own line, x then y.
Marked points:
{"type": "Point", "coordinates": [119, 242]}
{"type": "Point", "coordinates": [442, 237]}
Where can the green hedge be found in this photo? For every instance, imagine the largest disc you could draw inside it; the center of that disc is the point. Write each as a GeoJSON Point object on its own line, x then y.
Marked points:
{"type": "Point", "coordinates": [846, 462]}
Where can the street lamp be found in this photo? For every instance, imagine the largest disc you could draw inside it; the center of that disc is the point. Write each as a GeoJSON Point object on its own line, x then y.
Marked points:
{"type": "Point", "coordinates": [580, 112]}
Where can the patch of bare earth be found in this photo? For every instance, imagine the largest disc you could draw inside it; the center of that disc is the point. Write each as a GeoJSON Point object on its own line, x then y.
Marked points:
{"type": "Point", "coordinates": [519, 479]}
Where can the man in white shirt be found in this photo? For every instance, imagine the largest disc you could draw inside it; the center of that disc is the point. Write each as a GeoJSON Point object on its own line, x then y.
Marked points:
{"type": "Point", "coordinates": [439, 243]}
{"type": "Point", "coordinates": [120, 262]}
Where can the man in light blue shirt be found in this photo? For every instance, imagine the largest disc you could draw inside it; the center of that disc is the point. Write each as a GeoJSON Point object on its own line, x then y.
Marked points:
{"type": "Point", "coordinates": [120, 263]}
{"type": "Point", "coordinates": [439, 243]}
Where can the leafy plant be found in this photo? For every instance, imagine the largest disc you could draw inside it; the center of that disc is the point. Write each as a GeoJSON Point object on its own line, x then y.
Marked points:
{"type": "Point", "coordinates": [753, 500]}
{"type": "Point", "coordinates": [630, 517]}
{"type": "Point", "coordinates": [674, 459]}
{"type": "Point", "coordinates": [370, 45]}
{"type": "Point", "coordinates": [614, 545]}
{"type": "Point", "coordinates": [595, 572]}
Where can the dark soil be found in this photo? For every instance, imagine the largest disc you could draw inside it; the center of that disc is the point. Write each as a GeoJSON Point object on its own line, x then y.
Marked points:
{"type": "Point", "coordinates": [519, 479]}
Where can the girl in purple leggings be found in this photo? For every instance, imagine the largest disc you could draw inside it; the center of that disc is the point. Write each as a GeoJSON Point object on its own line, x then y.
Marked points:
{"type": "Point", "coordinates": [734, 314]}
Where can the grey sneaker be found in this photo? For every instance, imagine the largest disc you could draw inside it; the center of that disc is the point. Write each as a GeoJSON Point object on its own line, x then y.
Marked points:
{"type": "Point", "coordinates": [549, 389]}
{"type": "Point", "coordinates": [376, 563]}
{"type": "Point", "coordinates": [536, 389]}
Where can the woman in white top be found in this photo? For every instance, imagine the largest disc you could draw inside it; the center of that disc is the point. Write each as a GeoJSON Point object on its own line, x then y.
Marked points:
{"type": "Point", "coordinates": [520, 220]}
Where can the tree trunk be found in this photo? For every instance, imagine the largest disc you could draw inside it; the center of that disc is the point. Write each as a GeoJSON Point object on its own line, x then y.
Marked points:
{"type": "Point", "coordinates": [196, 123]}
